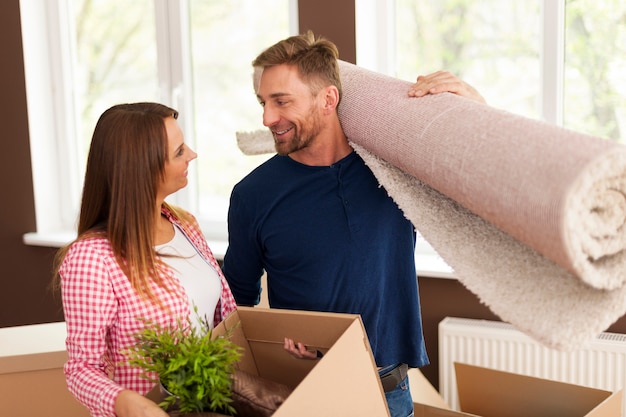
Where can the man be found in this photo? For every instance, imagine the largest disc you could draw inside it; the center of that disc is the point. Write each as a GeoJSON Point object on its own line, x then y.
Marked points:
{"type": "Point", "coordinates": [314, 218]}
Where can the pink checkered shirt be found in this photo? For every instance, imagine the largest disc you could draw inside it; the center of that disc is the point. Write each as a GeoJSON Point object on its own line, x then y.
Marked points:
{"type": "Point", "coordinates": [101, 314]}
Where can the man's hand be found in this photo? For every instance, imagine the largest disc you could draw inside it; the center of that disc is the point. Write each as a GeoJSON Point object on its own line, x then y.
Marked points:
{"type": "Point", "coordinates": [443, 81]}
{"type": "Point", "coordinates": [299, 350]}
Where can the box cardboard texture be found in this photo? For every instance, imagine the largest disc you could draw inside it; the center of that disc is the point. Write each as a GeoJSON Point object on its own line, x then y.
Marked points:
{"type": "Point", "coordinates": [423, 391]}
{"type": "Point", "coordinates": [344, 382]}
{"type": "Point", "coordinates": [427, 400]}
{"type": "Point", "coordinates": [491, 393]}
{"type": "Point", "coordinates": [424, 410]}
{"type": "Point", "coordinates": [32, 382]}
{"type": "Point", "coordinates": [486, 392]}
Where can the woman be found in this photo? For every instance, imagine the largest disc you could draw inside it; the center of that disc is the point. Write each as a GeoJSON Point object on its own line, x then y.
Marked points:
{"type": "Point", "coordinates": [135, 258]}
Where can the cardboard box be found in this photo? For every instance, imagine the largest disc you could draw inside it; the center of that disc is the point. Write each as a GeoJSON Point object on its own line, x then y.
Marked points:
{"type": "Point", "coordinates": [490, 393]}
{"type": "Point", "coordinates": [423, 392]}
{"type": "Point", "coordinates": [31, 367]}
{"type": "Point", "coordinates": [486, 392]}
{"type": "Point", "coordinates": [427, 400]}
{"type": "Point", "coordinates": [424, 410]}
{"type": "Point", "coordinates": [344, 382]}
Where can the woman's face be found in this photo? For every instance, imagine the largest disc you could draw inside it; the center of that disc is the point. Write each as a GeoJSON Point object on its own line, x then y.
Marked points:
{"type": "Point", "coordinates": [178, 157]}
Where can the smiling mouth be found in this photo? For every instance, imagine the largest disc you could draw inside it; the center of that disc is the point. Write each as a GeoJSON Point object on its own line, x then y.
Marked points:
{"type": "Point", "coordinates": [281, 132]}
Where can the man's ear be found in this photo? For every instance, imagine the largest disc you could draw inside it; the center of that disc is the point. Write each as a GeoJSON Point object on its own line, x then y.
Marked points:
{"type": "Point", "coordinates": [331, 98]}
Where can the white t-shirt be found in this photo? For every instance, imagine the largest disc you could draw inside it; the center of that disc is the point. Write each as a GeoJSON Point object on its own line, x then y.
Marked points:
{"type": "Point", "coordinates": [200, 281]}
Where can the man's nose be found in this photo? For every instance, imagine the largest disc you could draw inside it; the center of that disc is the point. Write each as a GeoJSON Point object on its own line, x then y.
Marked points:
{"type": "Point", "coordinates": [270, 116]}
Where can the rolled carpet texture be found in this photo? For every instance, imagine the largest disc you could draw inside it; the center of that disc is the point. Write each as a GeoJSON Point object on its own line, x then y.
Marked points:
{"type": "Point", "coordinates": [530, 216]}
{"type": "Point", "coordinates": [560, 192]}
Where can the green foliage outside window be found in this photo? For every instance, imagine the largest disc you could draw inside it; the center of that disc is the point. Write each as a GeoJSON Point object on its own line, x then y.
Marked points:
{"type": "Point", "coordinates": [497, 46]}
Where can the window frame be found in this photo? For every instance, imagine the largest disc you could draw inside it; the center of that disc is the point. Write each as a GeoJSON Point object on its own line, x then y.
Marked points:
{"type": "Point", "coordinates": [553, 61]}
{"type": "Point", "coordinates": [56, 159]}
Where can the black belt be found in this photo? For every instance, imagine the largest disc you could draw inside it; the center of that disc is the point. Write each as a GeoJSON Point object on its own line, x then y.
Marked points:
{"type": "Point", "coordinates": [393, 377]}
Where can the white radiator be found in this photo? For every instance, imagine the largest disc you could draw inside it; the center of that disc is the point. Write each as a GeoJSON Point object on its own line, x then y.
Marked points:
{"type": "Point", "coordinates": [601, 364]}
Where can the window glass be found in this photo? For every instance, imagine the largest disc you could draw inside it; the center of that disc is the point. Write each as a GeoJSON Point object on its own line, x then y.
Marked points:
{"type": "Point", "coordinates": [116, 58]}
{"type": "Point", "coordinates": [495, 45]}
{"type": "Point", "coordinates": [595, 67]}
{"type": "Point", "coordinates": [225, 37]}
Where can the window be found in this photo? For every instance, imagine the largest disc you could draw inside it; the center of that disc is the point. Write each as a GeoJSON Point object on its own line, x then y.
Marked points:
{"type": "Point", "coordinates": [194, 55]}
{"type": "Point", "coordinates": [224, 100]}
{"type": "Point", "coordinates": [493, 44]}
{"type": "Point", "coordinates": [563, 61]}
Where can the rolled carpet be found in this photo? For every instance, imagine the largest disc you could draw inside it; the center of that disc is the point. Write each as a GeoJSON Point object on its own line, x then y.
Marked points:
{"type": "Point", "coordinates": [560, 192]}
{"type": "Point", "coordinates": [530, 216]}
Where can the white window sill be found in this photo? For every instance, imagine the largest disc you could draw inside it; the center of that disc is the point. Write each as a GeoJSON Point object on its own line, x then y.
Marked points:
{"type": "Point", "coordinates": [57, 240]}
{"type": "Point", "coordinates": [428, 264]}
{"type": "Point", "coordinates": [51, 240]}
{"type": "Point", "coordinates": [431, 265]}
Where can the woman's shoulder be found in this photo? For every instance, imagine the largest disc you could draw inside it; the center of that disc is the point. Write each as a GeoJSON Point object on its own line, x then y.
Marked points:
{"type": "Point", "coordinates": [179, 216]}
{"type": "Point", "coordinates": [95, 243]}
{"type": "Point", "coordinates": [87, 253]}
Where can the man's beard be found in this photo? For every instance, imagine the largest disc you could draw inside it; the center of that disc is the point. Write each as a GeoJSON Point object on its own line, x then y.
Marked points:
{"type": "Point", "coordinates": [302, 138]}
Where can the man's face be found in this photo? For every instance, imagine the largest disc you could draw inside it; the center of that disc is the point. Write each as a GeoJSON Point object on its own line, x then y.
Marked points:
{"type": "Point", "coordinates": [290, 110]}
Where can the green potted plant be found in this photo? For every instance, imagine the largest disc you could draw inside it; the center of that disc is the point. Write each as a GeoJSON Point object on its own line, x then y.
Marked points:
{"type": "Point", "coordinates": [193, 368]}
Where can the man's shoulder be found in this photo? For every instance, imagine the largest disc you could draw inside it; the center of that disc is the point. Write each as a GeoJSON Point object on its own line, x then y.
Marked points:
{"type": "Point", "coordinates": [265, 173]}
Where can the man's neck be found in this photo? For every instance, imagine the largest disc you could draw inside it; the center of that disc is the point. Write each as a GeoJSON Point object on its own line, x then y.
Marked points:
{"type": "Point", "coordinates": [326, 149]}
{"type": "Point", "coordinates": [321, 157]}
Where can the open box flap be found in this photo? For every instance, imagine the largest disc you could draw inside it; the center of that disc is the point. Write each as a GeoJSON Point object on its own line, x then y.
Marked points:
{"type": "Point", "coordinates": [344, 382]}
{"type": "Point", "coordinates": [491, 393]}
{"type": "Point", "coordinates": [423, 391]}
{"type": "Point", "coordinates": [610, 407]}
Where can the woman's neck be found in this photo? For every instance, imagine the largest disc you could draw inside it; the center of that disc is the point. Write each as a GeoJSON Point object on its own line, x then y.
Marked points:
{"type": "Point", "coordinates": [163, 229]}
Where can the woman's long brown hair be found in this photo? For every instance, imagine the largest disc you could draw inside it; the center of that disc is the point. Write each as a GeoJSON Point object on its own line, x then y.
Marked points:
{"type": "Point", "coordinates": [125, 165]}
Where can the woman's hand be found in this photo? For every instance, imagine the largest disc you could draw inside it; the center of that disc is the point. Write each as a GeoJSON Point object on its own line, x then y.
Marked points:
{"type": "Point", "coordinates": [131, 404]}
{"type": "Point", "coordinates": [299, 350]}
{"type": "Point", "coordinates": [441, 82]}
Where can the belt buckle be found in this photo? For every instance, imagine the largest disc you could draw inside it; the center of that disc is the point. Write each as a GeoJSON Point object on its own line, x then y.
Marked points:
{"type": "Point", "coordinates": [393, 377]}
